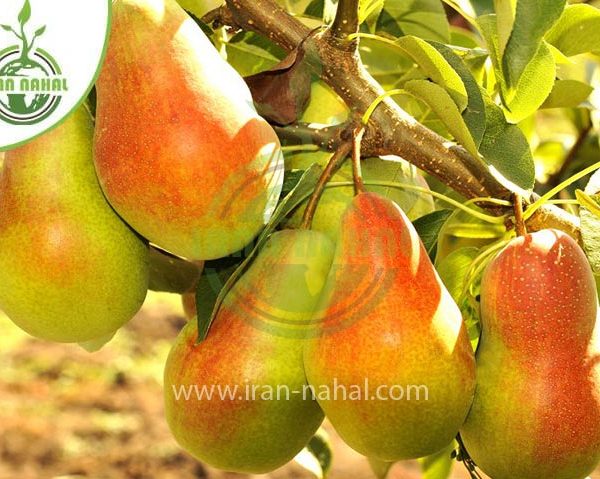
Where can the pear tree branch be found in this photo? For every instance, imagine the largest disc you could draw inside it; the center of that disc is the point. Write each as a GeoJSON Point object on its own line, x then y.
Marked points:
{"type": "Point", "coordinates": [391, 130]}
{"type": "Point", "coordinates": [346, 21]}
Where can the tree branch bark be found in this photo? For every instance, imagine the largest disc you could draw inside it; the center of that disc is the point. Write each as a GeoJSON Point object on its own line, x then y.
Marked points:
{"type": "Point", "coordinates": [391, 130]}
{"type": "Point", "coordinates": [346, 22]}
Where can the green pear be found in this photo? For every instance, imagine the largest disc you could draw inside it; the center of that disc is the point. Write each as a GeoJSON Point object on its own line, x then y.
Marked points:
{"type": "Point", "coordinates": [389, 357]}
{"type": "Point", "coordinates": [536, 412]}
{"type": "Point", "coordinates": [70, 269]}
{"type": "Point", "coordinates": [254, 352]}
{"type": "Point", "coordinates": [335, 200]}
{"type": "Point", "coordinates": [180, 151]}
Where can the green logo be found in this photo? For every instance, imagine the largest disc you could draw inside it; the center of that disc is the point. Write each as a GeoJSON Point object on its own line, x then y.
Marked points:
{"type": "Point", "coordinates": [31, 81]}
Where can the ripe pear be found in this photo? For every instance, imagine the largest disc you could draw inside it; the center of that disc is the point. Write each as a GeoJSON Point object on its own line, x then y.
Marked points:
{"type": "Point", "coordinates": [180, 151]}
{"type": "Point", "coordinates": [334, 201]}
{"type": "Point", "coordinates": [391, 337]}
{"type": "Point", "coordinates": [255, 345]}
{"type": "Point", "coordinates": [70, 269]}
{"type": "Point", "coordinates": [536, 412]}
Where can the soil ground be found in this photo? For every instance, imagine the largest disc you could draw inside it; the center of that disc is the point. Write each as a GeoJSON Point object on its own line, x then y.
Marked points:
{"type": "Point", "coordinates": [68, 414]}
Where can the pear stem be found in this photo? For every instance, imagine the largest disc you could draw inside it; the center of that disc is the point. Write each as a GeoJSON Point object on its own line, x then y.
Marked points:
{"type": "Point", "coordinates": [357, 136]}
{"type": "Point", "coordinates": [520, 227]}
{"type": "Point", "coordinates": [336, 160]}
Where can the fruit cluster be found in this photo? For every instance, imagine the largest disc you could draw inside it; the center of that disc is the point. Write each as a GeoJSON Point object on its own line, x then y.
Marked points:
{"type": "Point", "coordinates": [323, 318]}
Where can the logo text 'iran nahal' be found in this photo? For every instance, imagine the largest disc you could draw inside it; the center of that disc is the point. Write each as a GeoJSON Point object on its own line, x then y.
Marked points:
{"type": "Point", "coordinates": [31, 81]}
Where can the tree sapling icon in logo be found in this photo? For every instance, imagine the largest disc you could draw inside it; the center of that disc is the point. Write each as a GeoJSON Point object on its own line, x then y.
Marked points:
{"type": "Point", "coordinates": [31, 81]}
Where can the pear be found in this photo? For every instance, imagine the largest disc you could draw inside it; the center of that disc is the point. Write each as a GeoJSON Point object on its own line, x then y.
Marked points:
{"type": "Point", "coordinates": [180, 151]}
{"type": "Point", "coordinates": [335, 200]}
{"type": "Point", "coordinates": [536, 412]}
{"type": "Point", "coordinates": [389, 358]}
{"type": "Point", "coordinates": [254, 352]}
{"type": "Point", "coordinates": [70, 269]}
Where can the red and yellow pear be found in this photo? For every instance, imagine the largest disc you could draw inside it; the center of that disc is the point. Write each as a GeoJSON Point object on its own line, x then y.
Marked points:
{"type": "Point", "coordinates": [536, 412]}
{"type": "Point", "coordinates": [389, 333]}
{"type": "Point", "coordinates": [70, 269]}
{"type": "Point", "coordinates": [262, 412]}
{"type": "Point", "coordinates": [180, 150]}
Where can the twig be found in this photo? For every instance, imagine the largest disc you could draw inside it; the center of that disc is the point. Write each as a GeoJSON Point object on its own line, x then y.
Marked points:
{"type": "Point", "coordinates": [332, 166]}
{"type": "Point", "coordinates": [519, 220]}
{"type": "Point", "coordinates": [327, 138]}
{"type": "Point", "coordinates": [357, 136]}
{"type": "Point", "coordinates": [218, 17]}
{"type": "Point", "coordinates": [346, 21]}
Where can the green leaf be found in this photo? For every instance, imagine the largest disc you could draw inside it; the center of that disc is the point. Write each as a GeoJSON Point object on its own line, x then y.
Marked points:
{"type": "Point", "coordinates": [384, 63]}
{"type": "Point", "coordinates": [577, 30]}
{"type": "Point", "coordinates": [443, 106]}
{"type": "Point", "coordinates": [533, 88]}
{"type": "Point", "coordinates": [453, 269]}
{"type": "Point", "coordinates": [329, 11]}
{"type": "Point", "coordinates": [422, 18]}
{"type": "Point", "coordinates": [533, 19]}
{"type": "Point", "coordinates": [429, 227]}
{"type": "Point", "coordinates": [8, 28]}
{"type": "Point", "coordinates": [506, 150]}
{"type": "Point", "coordinates": [315, 9]}
{"type": "Point", "coordinates": [171, 274]}
{"type": "Point", "coordinates": [590, 222]}
{"type": "Point", "coordinates": [249, 53]}
{"type": "Point", "coordinates": [505, 15]}
{"type": "Point", "coordinates": [215, 275]}
{"type": "Point", "coordinates": [300, 193]}
{"type": "Point", "coordinates": [317, 456]}
{"type": "Point", "coordinates": [290, 180]}
{"type": "Point", "coordinates": [568, 94]}
{"type": "Point", "coordinates": [438, 465]}
{"type": "Point", "coordinates": [436, 67]}
{"type": "Point", "coordinates": [488, 24]}
{"type": "Point", "coordinates": [40, 31]}
{"type": "Point", "coordinates": [534, 85]}
{"type": "Point", "coordinates": [25, 13]}
{"type": "Point", "coordinates": [481, 7]}
{"type": "Point", "coordinates": [474, 114]}
{"type": "Point", "coordinates": [369, 11]}
{"type": "Point", "coordinates": [590, 203]}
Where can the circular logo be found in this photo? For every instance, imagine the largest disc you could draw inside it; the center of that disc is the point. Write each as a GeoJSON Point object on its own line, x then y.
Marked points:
{"type": "Point", "coordinates": [30, 86]}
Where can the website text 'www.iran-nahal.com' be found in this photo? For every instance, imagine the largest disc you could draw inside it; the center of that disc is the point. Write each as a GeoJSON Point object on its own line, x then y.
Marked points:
{"type": "Point", "coordinates": [283, 392]}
